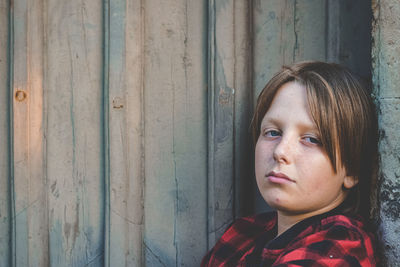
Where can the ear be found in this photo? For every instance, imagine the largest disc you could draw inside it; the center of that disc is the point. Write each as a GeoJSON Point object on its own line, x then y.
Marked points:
{"type": "Point", "coordinates": [350, 181]}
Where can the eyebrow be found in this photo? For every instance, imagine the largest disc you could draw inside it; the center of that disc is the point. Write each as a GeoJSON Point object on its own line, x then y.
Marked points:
{"type": "Point", "coordinates": [270, 120]}
{"type": "Point", "coordinates": [277, 122]}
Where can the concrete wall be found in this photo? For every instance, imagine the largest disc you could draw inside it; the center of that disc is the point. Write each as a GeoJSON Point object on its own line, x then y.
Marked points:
{"type": "Point", "coordinates": [386, 78]}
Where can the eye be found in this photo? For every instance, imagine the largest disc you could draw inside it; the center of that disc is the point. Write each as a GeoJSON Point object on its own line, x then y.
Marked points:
{"type": "Point", "coordinates": [272, 133]}
{"type": "Point", "coordinates": [312, 140]}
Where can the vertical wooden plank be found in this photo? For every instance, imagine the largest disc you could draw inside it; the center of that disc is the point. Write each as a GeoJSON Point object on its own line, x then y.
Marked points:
{"type": "Point", "coordinates": [5, 216]}
{"type": "Point", "coordinates": [243, 109]}
{"type": "Point", "coordinates": [349, 37]}
{"type": "Point", "coordinates": [175, 133]}
{"type": "Point", "coordinates": [126, 132]}
{"type": "Point", "coordinates": [30, 209]}
{"type": "Point", "coordinates": [74, 125]}
{"type": "Point", "coordinates": [190, 133]}
{"type": "Point", "coordinates": [285, 32]}
{"type": "Point", "coordinates": [221, 118]}
{"type": "Point", "coordinates": [106, 134]}
{"type": "Point", "coordinates": [229, 114]}
{"type": "Point", "coordinates": [274, 39]}
{"type": "Point", "coordinates": [309, 30]}
{"type": "Point", "coordinates": [333, 30]}
{"type": "Point", "coordinates": [355, 36]}
{"type": "Point", "coordinates": [20, 196]}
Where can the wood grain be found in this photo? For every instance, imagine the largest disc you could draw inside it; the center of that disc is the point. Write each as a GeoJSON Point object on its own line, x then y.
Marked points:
{"type": "Point", "coordinates": [75, 150]}
{"type": "Point", "coordinates": [29, 192]}
{"type": "Point", "coordinates": [126, 159]}
{"type": "Point", "coordinates": [229, 113]}
{"type": "Point", "coordinates": [5, 174]}
{"type": "Point", "coordinates": [175, 133]}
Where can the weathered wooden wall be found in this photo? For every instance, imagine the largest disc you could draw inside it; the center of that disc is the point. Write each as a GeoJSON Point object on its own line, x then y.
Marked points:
{"type": "Point", "coordinates": [124, 124]}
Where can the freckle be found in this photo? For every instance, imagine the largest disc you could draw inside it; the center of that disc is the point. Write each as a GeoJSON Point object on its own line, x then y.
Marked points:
{"type": "Point", "coordinates": [277, 200]}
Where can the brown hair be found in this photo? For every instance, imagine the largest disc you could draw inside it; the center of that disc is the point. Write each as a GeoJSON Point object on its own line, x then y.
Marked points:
{"type": "Point", "coordinates": [345, 117]}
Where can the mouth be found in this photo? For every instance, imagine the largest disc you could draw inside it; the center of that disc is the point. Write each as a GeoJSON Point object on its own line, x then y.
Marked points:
{"type": "Point", "coordinates": [278, 177]}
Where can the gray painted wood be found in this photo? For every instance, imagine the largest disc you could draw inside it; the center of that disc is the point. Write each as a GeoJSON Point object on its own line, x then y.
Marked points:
{"type": "Point", "coordinates": [274, 39]}
{"type": "Point", "coordinates": [286, 32]}
{"type": "Point", "coordinates": [175, 133]}
{"type": "Point", "coordinates": [243, 109]}
{"type": "Point", "coordinates": [355, 28]}
{"type": "Point", "coordinates": [221, 118]}
{"type": "Point", "coordinates": [125, 126]}
{"type": "Point", "coordinates": [5, 215]}
{"type": "Point", "coordinates": [333, 28]}
{"type": "Point", "coordinates": [310, 30]}
{"type": "Point", "coordinates": [29, 210]}
{"type": "Point", "coordinates": [229, 165]}
{"type": "Point", "coordinates": [348, 28]}
{"type": "Point", "coordinates": [73, 131]}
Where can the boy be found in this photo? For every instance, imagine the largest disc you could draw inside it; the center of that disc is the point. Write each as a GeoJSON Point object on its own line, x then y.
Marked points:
{"type": "Point", "coordinates": [316, 133]}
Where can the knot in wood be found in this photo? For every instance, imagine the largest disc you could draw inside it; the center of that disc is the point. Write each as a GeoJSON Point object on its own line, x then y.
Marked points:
{"type": "Point", "coordinates": [20, 95]}
{"type": "Point", "coordinates": [118, 103]}
{"type": "Point", "coordinates": [224, 97]}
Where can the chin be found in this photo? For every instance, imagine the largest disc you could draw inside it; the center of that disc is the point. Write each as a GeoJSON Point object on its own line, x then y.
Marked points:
{"type": "Point", "coordinates": [275, 202]}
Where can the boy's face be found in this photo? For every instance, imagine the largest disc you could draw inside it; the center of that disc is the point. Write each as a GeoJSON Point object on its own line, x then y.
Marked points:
{"type": "Point", "coordinates": [294, 174]}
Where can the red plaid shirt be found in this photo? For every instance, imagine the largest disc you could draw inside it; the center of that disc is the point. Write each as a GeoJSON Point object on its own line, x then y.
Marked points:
{"type": "Point", "coordinates": [324, 240]}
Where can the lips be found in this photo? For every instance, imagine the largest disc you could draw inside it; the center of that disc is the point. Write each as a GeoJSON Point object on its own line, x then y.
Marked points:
{"type": "Point", "coordinates": [278, 177]}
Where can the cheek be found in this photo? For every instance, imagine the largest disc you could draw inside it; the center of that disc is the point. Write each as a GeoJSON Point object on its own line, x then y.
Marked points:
{"type": "Point", "coordinates": [262, 154]}
{"type": "Point", "coordinates": [260, 159]}
{"type": "Point", "coordinates": [257, 161]}
{"type": "Point", "coordinates": [319, 172]}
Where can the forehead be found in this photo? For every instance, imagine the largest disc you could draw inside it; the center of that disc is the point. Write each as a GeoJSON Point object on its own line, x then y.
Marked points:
{"type": "Point", "coordinates": [289, 105]}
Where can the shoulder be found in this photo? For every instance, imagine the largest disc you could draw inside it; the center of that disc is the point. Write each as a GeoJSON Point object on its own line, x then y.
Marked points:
{"type": "Point", "coordinates": [338, 240]}
{"type": "Point", "coordinates": [340, 227]}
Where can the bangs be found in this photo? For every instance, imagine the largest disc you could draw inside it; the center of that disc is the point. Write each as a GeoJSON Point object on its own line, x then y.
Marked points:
{"type": "Point", "coordinates": [323, 110]}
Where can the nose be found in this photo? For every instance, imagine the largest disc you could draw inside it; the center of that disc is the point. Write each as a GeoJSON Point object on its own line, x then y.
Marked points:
{"type": "Point", "coordinates": [283, 150]}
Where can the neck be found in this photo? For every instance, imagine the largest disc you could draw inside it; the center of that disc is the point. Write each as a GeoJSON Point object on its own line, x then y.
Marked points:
{"type": "Point", "coordinates": [287, 219]}
{"type": "Point", "coordinates": [285, 222]}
